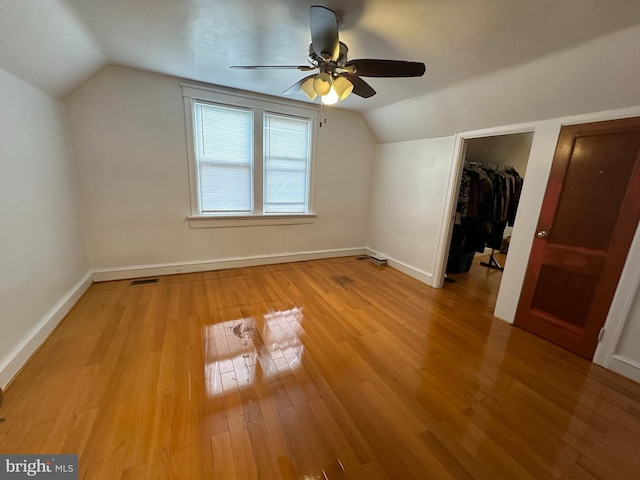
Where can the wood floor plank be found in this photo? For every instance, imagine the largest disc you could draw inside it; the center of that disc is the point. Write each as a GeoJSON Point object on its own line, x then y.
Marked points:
{"type": "Point", "coordinates": [224, 467]}
{"type": "Point", "coordinates": [329, 369]}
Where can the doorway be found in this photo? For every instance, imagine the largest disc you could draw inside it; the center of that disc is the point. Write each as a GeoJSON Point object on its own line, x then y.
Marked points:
{"type": "Point", "coordinates": [492, 173]}
{"type": "Point", "coordinates": [588, 219]}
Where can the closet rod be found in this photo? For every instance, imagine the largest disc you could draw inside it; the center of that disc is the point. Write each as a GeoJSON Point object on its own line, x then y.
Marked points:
{"type": "Point", "coordinates": [488, 166]}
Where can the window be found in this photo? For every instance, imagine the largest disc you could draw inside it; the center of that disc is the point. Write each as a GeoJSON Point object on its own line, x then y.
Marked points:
{"type": "Point", "coordinates": [224, 156]}
{"type": "Point", "coordinates": [286, 164]}
{"type": "Point", "coordinates": [249, 159]}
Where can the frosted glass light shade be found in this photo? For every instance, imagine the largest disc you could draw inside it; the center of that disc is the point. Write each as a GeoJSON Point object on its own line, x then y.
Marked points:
{"type": "Point", "coordinates": [307, 88]}
{"type": "Point", "coordinates": [342, 87]}
{"type": "Point", "coordinates": [322, 83]}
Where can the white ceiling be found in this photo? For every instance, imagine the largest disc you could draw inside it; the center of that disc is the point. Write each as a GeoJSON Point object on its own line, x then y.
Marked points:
{"type": "Point", "coordinates": [57, 44]}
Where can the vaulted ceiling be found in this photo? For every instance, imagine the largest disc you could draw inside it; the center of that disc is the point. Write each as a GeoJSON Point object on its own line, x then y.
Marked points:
{"type": "Point", "coordinates": [56, 45]}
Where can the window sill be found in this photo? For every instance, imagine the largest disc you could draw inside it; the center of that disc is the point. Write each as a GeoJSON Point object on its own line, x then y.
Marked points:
{"type": "Point", "coordinates": [225, 221]}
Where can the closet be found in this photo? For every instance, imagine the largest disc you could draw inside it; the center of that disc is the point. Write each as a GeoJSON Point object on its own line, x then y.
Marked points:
{"type": "Point", "coordinates": [489, 192]}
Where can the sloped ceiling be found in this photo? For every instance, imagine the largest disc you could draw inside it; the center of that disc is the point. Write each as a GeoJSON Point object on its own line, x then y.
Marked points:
{"type": "Point", "coordinates": [57, 44]}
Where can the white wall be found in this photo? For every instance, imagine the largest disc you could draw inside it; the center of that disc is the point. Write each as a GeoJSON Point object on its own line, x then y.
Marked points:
{"type": "Point", "coordinates": [411, 237]}
{"type": "Point", "coordinates": [128, 138]}
{"type": "Point", "coordinates": [511, 150]}
{"type": "Point", "coordinates": [408, 199]}
{"type": "Point", "coordinates": [567, 86]}
{"type": "Point", "coordinates": [593, 76]}
{"type": "Point", "coordinates": [620, 348]}
{"type": "Point", "coordinates": [543, 147]}
{"type": "Point", "coordinates": [42, 258]}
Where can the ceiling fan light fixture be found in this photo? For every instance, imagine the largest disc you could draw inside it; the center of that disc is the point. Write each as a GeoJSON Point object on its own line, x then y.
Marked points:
{"type": "Point", "coordinates": [307, 88]}
{"type": "Point", "coordinates": [328, 56]}
{"type": "Point", "coordinates": [322, 83]}
{"type": "Point", "coordinates": [331, 97]}
{"type": "Point", "coordinates": [343, 87]}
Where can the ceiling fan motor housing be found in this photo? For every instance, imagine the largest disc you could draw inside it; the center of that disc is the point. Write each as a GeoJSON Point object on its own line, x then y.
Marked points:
{"type": "Point", "coordinates": [329, 66]}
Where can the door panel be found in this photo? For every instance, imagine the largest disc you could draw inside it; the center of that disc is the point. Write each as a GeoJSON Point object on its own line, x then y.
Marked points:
{"type": "Point", "coordinates": [589, 215]}
{"type": "Point", "coordinates": [592, 192]}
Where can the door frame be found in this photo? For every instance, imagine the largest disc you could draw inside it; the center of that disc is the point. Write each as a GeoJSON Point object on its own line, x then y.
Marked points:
{"type": "Point", "coordinates": [596, 263]}
{"type": "Point", "coordinates": [457, 164]}
{"type": "Point", "coordinates": [538, 167]}
{"type": "Point", "coordinates": [621, 306]}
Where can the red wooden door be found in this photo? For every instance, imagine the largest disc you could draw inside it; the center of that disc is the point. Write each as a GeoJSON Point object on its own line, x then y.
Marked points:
{"type": "Point", "coordinates": [588, 219]}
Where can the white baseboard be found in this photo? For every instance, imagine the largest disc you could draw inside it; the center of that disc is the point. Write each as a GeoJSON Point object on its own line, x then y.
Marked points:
{"type": "Point", "coordinates": [108, 274]}
{"type": "Point", "coordinates": [625, 366]}
{"type": "Point", "coordinates": [421, 275]}
{"type": "Point", "coordinates": [18, 356]}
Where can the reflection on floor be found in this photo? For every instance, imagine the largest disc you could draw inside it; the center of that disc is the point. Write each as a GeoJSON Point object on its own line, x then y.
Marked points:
{"type": "Point", "coordinates": [330, 369]}
{"type": "Point", "coordinates": [480, 284]}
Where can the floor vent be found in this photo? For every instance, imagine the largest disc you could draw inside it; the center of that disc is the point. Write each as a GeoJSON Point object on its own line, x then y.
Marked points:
{"type": "Point", "coordinates": [144, 281]}
{"type": "Point", "coordinates": [379, 260]}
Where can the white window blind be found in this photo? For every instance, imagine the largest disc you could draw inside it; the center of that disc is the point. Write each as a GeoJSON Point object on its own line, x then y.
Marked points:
{"type": "Point", "coordinates": [224, 156]}
{"type": "Point", "coordinates": [250, 160]}
{"type": "Point", "coordinates": [286, 163]}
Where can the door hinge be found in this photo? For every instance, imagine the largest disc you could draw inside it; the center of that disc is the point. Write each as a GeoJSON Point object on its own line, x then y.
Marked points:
{"type": "Point", "coordinates": [601, 334]}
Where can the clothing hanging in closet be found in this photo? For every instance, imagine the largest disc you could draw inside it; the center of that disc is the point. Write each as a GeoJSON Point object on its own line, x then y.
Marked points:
{"type": "Point", "coordinates": [487, 203]}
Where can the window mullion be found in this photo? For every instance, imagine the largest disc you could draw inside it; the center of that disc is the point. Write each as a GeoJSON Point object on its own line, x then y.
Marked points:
{"type": "Point", "coordinates": [258, 161]}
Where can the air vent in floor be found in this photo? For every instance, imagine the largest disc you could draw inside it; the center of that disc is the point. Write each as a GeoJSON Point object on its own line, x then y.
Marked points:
{"type": "Point", "coordinates": [379, 260]}
{"type": "Point", "coordinates": [144, 281]}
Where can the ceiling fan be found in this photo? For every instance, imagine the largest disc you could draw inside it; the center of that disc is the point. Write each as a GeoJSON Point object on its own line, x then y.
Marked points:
{"type": "Point", "coordinates": [337, 76]}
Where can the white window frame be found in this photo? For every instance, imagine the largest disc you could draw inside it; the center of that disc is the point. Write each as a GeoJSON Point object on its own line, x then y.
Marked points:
{"type": "Point", "coordinates": [260, 105]}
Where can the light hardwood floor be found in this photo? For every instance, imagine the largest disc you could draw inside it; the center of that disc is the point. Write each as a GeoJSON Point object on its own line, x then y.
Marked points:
{"type": "Point", "coordinates": [335, 369]}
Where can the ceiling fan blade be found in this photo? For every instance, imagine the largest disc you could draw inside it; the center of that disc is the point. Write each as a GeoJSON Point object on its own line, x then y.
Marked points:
{"type": "Point", "coordinates": [303, 68]}
{"type": "Point", "coordinates": [296, 86]}
{"type": "Point", "coordinates": [386, 68]}
{"type": "Point", "coordinates": [360, 87]}
{"type": "Point", "coordinates": [324, 32]}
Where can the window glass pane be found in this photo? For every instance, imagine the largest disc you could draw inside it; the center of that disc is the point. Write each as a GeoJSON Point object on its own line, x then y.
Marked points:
{"type": "Point", "coordinates": [286, 164]}
{"type": "Point", "coordinates": [224, 153]}
{"type": "Point", "coordinates": [223, 188]}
